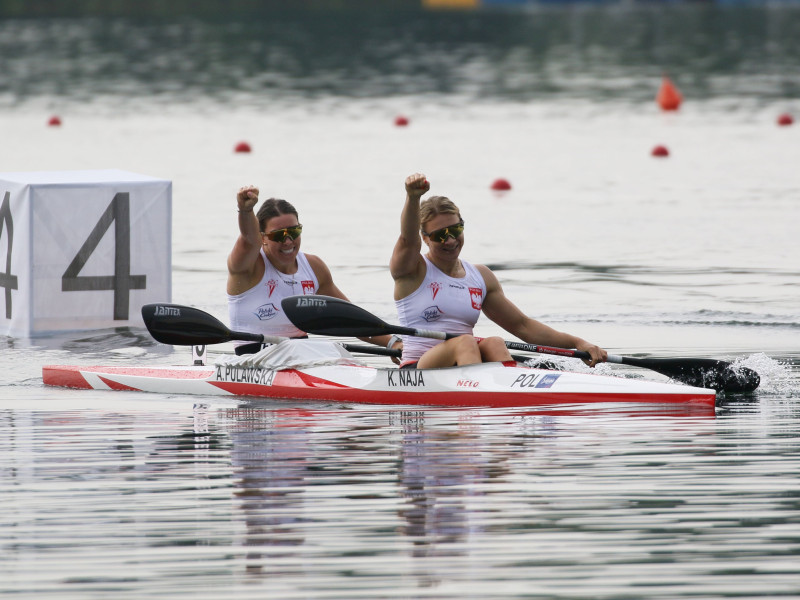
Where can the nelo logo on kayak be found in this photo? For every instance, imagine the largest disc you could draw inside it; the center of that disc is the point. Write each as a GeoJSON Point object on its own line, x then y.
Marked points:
{"type": "Point", "coordinates": [404, 377]}
{"type": "Point", "coordinates": [311, 302]}
{"type": "Point", "coordinates": [167, 311]}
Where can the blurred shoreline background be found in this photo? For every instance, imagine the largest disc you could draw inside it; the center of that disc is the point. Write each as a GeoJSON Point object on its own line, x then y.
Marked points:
{"type": "Point", "coordinates": [263, 53]}
{"type": "Point", "coordinates": [152, 8]}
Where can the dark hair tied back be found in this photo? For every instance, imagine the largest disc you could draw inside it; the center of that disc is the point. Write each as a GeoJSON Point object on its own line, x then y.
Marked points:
{"type": "Point", "coordinates": [274, 207]}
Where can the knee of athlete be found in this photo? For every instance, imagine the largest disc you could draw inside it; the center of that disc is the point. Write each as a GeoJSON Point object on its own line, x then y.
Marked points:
{"type": "Point", "coordinates": [466, 341]}
{"type": "Point", "coordinates": [495, 345]}
{"type": "Point", "coordinates": [494, 342]}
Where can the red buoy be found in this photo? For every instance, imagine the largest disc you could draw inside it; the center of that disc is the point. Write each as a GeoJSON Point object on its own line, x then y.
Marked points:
{"type": "Point", "coordinates": [660, 151]}
{"type": "Point", "coordinates": [400, 121]}
{"type": "Point", "coordinates": [54, 121]}
{"type": "Point", "coordinates": [668, 97]}
{"type": "Point", "coordinates": [242, 147]}
{"type": "Point", "coordinates": [785, 119]}
{"type": "Point", "coordinates": [501, 184]}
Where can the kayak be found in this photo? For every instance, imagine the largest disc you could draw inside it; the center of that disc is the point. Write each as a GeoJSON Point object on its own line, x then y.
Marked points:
{"type": "Point", "coordinates": [335, 375]}
{"type": "Point", "coordinates": [487, 384]}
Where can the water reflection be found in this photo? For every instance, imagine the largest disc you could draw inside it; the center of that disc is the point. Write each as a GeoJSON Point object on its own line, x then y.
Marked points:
{"type": "Point", "coordinates": [434, 476]}
{"type": "Point", "coordinates": [280, 458]}
{"type": "Point", "coordinates": [303, 477]}
{"type": "Point", "coordinates": [348, 501]}
{"type": "Point", "coordinates": [270, 460]}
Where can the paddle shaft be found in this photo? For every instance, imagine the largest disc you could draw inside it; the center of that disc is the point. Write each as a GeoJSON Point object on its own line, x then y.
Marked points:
{"type": "Point", "coordinates": [396, 352]}
{"type": "Point", "coordinates": [612, 358]}
{"type": "Point", "coordinates": [376, 350]}
{"type": "Point", "coordinates": [551, 350]}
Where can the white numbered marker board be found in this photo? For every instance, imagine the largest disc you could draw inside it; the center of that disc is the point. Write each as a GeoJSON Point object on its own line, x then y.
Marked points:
{"type": "Point", "coordinates": [82, 250]}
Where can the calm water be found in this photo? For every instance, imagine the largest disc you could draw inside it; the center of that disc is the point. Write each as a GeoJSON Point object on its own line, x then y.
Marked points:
{"type": "Point", "coordinates": [132, 496]}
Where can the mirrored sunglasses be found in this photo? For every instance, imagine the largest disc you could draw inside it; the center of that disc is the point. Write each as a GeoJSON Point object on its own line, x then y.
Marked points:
{"type": "Point", "coordinates": [280, 235]}
{"type": "Point", "coordinates": [441, 235]}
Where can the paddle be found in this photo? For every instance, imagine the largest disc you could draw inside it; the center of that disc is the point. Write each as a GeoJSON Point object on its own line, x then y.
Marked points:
{"type": "Point", "coordinates": [187, 326]}
{"type": "Point", "coordinates": [325, 315]}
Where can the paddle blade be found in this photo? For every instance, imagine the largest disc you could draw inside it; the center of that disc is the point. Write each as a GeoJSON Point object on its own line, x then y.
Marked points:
{"type": "Point", "coordinates": [325, 315]}
{"type": "Point", "coordinates": [702, 372]}
{"type": "Point", "coordinates": [185, 326]}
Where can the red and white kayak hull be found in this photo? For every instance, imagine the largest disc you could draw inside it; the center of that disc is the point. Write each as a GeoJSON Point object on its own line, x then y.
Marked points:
{"type": "Point", "coordinates": [488, 384]}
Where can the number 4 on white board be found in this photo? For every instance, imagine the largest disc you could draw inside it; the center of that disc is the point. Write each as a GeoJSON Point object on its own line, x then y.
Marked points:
{"type": "Point", "coordinates": [121, 282]}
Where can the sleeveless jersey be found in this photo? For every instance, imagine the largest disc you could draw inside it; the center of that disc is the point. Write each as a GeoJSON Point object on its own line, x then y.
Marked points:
{"type": "Point", "coordinates": [258, 310]}
{"type": "Point", "coordinates": [440, 303]}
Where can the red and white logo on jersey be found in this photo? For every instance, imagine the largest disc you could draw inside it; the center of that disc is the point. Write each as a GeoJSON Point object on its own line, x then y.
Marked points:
{"type": "Point", "coordinates": [476, 295]}
{"type": "Point", "coordinates": [271, 285]}
{"type": "Point", "coordinates": [435, 286]}
{"type": "Point", "coordinates": [308, 286]}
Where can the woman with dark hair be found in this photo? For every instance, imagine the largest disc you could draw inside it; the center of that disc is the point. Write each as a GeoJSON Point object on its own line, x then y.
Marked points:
{"type": "Point", "coordinates": [440, 291]}
{"type": "Point", "coordinates": [266, 265]}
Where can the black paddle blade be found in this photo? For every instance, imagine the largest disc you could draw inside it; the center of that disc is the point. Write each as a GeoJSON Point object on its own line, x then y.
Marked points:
{"type": "Point", "coordinates": [702, 372]}
{"type": "Point", "coordinates": [185, 326]}
{"type": "Point", "coordinates": [325, 315]}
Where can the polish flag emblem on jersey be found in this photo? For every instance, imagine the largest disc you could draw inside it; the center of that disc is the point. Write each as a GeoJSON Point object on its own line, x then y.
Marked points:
{"type": "Point", "coordinates": [435, 287]}
{"type": "Point", "coordinates": [308, 287]}
{"type": "Point", "coordinates": [476, 295]}
{"type": "Point", "coordinates": [271, 285]}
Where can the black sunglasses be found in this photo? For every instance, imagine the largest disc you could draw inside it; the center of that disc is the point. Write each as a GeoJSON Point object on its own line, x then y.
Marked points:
{"type": "Point", "coordinates": [280, 235]}
{"type": "Point", "coordinates": [441, 235]}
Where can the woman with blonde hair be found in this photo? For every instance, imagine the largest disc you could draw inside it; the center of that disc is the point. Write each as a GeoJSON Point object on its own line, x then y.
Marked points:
{"type": "Point", "coordinates": [438, 290]}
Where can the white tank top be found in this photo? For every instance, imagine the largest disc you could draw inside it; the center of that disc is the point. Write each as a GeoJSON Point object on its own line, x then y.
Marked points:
{"type": "Point", "coordinates": [441, 303]}
{"type": "Point", "coordinates": [258, 310]}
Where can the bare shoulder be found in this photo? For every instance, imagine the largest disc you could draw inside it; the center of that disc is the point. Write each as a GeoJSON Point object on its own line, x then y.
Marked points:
{"type": "Point", "coordinates": [239, 281]}
{"type": "Point", "coordinates": [406, 260]}
{"type": "Point", "coordinates": [315, 261]}
{"type": "Point", "coordinates": [407, 284]}
{"type": "Point", "coordinates": [320, 269]}
{"type": "Point", "coordinates": [488, 277]}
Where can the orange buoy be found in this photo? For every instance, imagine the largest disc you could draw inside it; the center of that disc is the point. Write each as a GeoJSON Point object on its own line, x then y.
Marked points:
{"type": "Point", "coordinates": [242, 147]}
{"type": "Point", "coordinates": [54, 121]}
{"type": "Point", "coordinates": [785, 119]}
{"type": "Point", "coordinates": [660, 151]}
{"type": "Point", "coordinates": [668, 97]}
{"type": "Point", "coordinates": [400, 121]}
{"type": "Point", "coordinates": [501, 184]}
